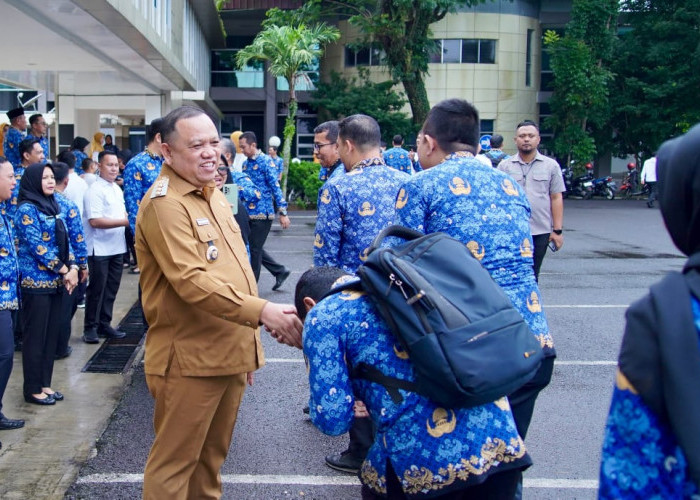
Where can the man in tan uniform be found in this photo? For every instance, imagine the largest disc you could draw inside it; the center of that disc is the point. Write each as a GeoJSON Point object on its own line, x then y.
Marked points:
{"type": "Point", "coordinates": [200, 300]}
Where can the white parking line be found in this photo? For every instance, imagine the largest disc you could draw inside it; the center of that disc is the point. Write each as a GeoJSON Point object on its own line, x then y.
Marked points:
{"type": "Point", "coordinates": [580, 484]}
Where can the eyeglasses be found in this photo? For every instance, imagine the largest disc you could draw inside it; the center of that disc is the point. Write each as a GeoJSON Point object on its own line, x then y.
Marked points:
{"type": "Point", "coordinates": [222, 169]}
{"type": "Point", "coordinates": [317, 146]}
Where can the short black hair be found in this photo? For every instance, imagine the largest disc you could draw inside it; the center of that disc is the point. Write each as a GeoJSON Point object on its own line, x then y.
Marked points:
{"type": "Point", "coordinates": [362, 130]}
{"type": "Point", "coordinates": [104, 153]}
{"type": "Point", "coordinates": [153, 129]}
{"type": "Point", "coordinates": [315, 283]}
{"type": "Point", "coordinates": [249, 137]}
{"type": "Point", "coordinates": [33, 119]}
{"type": "Point", "coordinates": [167, 127]}
{"type": "Point", "coordinates": [528, 123]}
{"type": "Point", "coordinates": [454, 124]}
{"type": "Point", "coordinates": [125, 155]}
{"type": "Point", "coordinates": [496, 141]}
{"type": "Point", "coordinates": [79, 143]}
{"type": "Point", "coordinates": [273, 147]}
{"type": "Point", "coordinates": [86, 163]}
{"type": "Point", "coordinates": [67, 157]}
{"type": "Point", "coordinates": [3, 159]}
{"type": "Point", "coordinates": [398, 139]}
{"type": "Point", "coordinates": [27, 145]}
{"type": "Point", "coordinates": [330, 128]}
{"type": "Point", "coordinates": [60, 171]}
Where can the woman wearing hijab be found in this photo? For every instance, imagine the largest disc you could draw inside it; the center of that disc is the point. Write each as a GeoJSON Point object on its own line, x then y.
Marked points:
{"type": "Point", "coordinates": [46, 264]}
{"type": "Point", "coordinates": [78, 148]}
{"type": "Point", "coordinates": [96, 145]}
{"type": "Point", "coordinates": [651, 447]}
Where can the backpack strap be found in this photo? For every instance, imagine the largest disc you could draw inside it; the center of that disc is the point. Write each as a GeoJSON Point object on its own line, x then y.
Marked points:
{"type": "Point", "coordinates": [391, 384]}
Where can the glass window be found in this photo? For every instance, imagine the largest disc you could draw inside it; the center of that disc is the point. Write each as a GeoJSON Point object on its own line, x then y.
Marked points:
{"type": "Point", "coordinates": [362, 57]}
{"type": "Point", "coordinates": [377, 56]}
{"type": "Point", "coordinates": [470, 51]}
{"type": "Point", "coordinates": [436, 52]}
{"type": "Point", "coordinates": [528, 58]}
{"type": "Point", "coordinates": [547, 81]}
{"type": "Point", "coordinates": [451, 51]}
{"type": "Point", "coordinates": [486, 126]}
{"type": "Point", "coordinates": [349, 57]}
{"type": "Point", "coordinates": [487, 51]}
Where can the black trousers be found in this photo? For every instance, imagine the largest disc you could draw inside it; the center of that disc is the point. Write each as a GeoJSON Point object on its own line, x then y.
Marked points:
{"type": "Point", "coordinates": [499, 486]}
{"type": "Point", "coordinates": [540, 242]}
{"type": "Point", "coordinates": [522, 401]}
{"type": "Point", "coordinates": [259, 229]}
{"type": "Point", "coordinates": [40, 316]}
{"type": "Point", "coordinates": [7, 351]}
{"type": "Point", "coordinates": [269, 263]}
{"type": "Point", "coordinates": [105, 277]}
{"type": "Point", "coordinates": [69, 306]}
{"type": "Point", "coordinates": [361, 437]}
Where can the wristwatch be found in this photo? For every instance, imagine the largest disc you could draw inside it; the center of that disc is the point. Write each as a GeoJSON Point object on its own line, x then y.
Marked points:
{"type": "Point", "coordinates": [557, 231]}
{"type": "Point", "coordinates": [283, 213]}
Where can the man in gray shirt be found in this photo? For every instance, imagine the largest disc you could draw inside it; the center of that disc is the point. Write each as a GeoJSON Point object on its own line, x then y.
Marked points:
{"type": "Point", "coordinates": [541, 179]}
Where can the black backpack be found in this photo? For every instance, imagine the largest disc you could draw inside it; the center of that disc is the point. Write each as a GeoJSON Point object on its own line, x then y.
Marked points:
{"type": "Point", "coordinates": [495, 157]}
{"type": "Point", "coordinates": [468, 344]}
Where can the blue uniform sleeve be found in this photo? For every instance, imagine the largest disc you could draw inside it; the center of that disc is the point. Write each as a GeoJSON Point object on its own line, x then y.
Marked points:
{"type": "Point", "coordinates": [76, 234]}
{"type": "Point", "coordinates": [28, 228]}
{"type": "Point", "coordinates": [269, 171]}
{"type": "Point", "coordinates": [246, 187]}
{"type": "Point", "coordinates": [331, 396]}
{"type": "Point", "coordinates": [132, 192]}
{"type": "Point", "coordinates": [329, 228]}
{"type": "Point", "coordinates": [640, 456]}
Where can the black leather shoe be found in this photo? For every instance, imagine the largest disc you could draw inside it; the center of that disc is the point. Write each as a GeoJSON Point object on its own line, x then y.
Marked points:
{"type": "Point", "coordinates": [65, 354]}
{"type": "Point", "coordinates": [344, 462]}
{"type": "Point", "coordinates": [90, 336]}
{"type": "Point", "coordinates": [56, 395]}
{"type": "Point", "coordinates": [42, 402]}
{"type": "Point", "coordinates": [281, 278]}
{"type": "Point", "coordinates": [111, 333]}
{"type": "Point", "coordinates": [9, 423]}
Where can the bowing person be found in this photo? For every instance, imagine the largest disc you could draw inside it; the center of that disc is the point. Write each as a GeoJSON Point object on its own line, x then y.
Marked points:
{"type": "Point", "coordinates": [47, 264]}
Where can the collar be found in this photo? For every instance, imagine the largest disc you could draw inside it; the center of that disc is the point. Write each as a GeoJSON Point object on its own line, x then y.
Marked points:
{"type": "Point", "coordinates": [368, 162]}
{"type": "Point", "coordinates": [537, 157]}
{"type": "Point", "coordinates": [152, 154]}
{"type": "Point", "coordinates": [458, 154]}
{"type": "Point", "coordinates": [185, 187]}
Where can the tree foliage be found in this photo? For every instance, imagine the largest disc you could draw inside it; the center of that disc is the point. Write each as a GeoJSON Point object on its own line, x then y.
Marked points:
{"type": "Point", "coordinates": [401, 28]}
{"type": "Point", "coordinates": [657, 77]}
{"type": "Point", "coordinates": [288, 50]}
{"type": "Point", "coordinates": [341, 97]}
{"type": "Point", "coordinates": [580, 62]}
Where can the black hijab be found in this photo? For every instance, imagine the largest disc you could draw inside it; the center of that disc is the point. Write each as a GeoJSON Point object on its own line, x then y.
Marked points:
{"type": "Point", "coordinates": [30, 191]}
{"type": "Point", "coordinates": [660, 355]}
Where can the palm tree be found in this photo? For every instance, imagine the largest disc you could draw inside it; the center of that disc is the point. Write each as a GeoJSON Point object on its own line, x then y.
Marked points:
{"type": "Point", "coordinates": [288, 50]}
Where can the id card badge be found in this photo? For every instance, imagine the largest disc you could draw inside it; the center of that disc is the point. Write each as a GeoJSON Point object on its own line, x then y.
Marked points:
{"type": "Point", "coordinates": [231, 193]}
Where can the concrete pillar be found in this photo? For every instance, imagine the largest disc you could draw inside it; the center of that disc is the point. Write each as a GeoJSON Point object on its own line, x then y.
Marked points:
{"type": "Point", "coordinates": [153, 108]}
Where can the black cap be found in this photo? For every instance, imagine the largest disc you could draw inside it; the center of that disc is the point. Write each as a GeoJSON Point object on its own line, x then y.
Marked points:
{"type": "Point", "coordinates": [14, 113]}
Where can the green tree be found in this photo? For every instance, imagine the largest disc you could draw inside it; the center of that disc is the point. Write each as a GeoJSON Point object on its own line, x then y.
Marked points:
{"type": "Point", "coordinates": [341, 97]}
{"type": "Point", "coordinates": [580, 62]}
{"type": "Point", "coordinates": [657, 77]}
{"type": "Point", "coordinates": [400, 27]}
{"type": "Point", "coordinates": [288, 50]}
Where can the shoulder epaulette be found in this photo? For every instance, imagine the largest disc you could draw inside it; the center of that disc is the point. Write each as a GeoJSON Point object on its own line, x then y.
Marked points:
{"type": "Point", "coordinates": [160, 188]}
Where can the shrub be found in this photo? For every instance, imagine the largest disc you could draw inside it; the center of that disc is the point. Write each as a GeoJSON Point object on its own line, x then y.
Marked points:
{"type": "Point", "coordinates": [304, 183]}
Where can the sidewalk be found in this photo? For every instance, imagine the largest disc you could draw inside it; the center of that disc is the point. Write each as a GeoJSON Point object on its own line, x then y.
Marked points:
{"type": "Point", "coordinates": [41, 460]}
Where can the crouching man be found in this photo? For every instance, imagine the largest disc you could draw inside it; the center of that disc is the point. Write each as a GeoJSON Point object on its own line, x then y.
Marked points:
{"type": "Point", "coordinates": [420, 448]}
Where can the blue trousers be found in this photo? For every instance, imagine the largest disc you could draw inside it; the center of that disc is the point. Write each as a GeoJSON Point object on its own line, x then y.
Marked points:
{"type": "Point", "coordinates": [7, 351]}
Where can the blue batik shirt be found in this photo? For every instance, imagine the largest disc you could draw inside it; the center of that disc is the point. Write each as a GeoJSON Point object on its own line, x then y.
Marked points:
{"type": "Point", "coordinates": [641, 456]}
{"type": "Point", "coordinates": [11, 145]}
{"type": "Point", "coordinates": [44, 142]}
{"type": "Point", "coordinates": [263, 173]}
{"type": "Point", "coordinates": [279, 165]}
{"type": "Point", "coordinates": [352, 209]}
{"type": "Point", "coordinates": [74, 226]}
{"type": "Point", "coordinates": [11, 204]}
{"type": "Point", "coordinates": [398, 158]}
{"type": "Point", "coordinates": [488, 212]}
{"type": "Point", "coordinates": [38, 249]}
{"type": "Point", "coordinates": [246, 189]}
{"type": "Point", "coordinates": [79, 157]}
{"type": "Point", "coordinates": [433, 450]}
{"type": "Point", "coordinates": [139, 175]}
{"type": "Point", "coordinates": [9, 270]}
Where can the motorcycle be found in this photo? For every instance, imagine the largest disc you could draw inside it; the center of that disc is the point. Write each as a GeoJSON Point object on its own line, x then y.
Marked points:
{"type": "Point", "coordinates": [581, 186]}
{"type": "Point", "coordinates": [605, 186]}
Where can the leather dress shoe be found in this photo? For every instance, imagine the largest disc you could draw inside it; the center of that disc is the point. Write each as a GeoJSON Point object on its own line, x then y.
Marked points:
{"type": "Point", "coordinates": [42, 402]}
{"type": "Point", "coordinates": [111, 333]}
{"type": "Point", "coordinates": [9, 423]}
{"type": "Point", "coordinates": [344, 462]}
{"type": "Point", "coordinates": [281, 278]}
{"type": "Point", "coordinates": [56, 395]}
{"type": "Point", "coordinates": [90, 336]}
{"type": "Point", "coordinates": [67, 353]}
